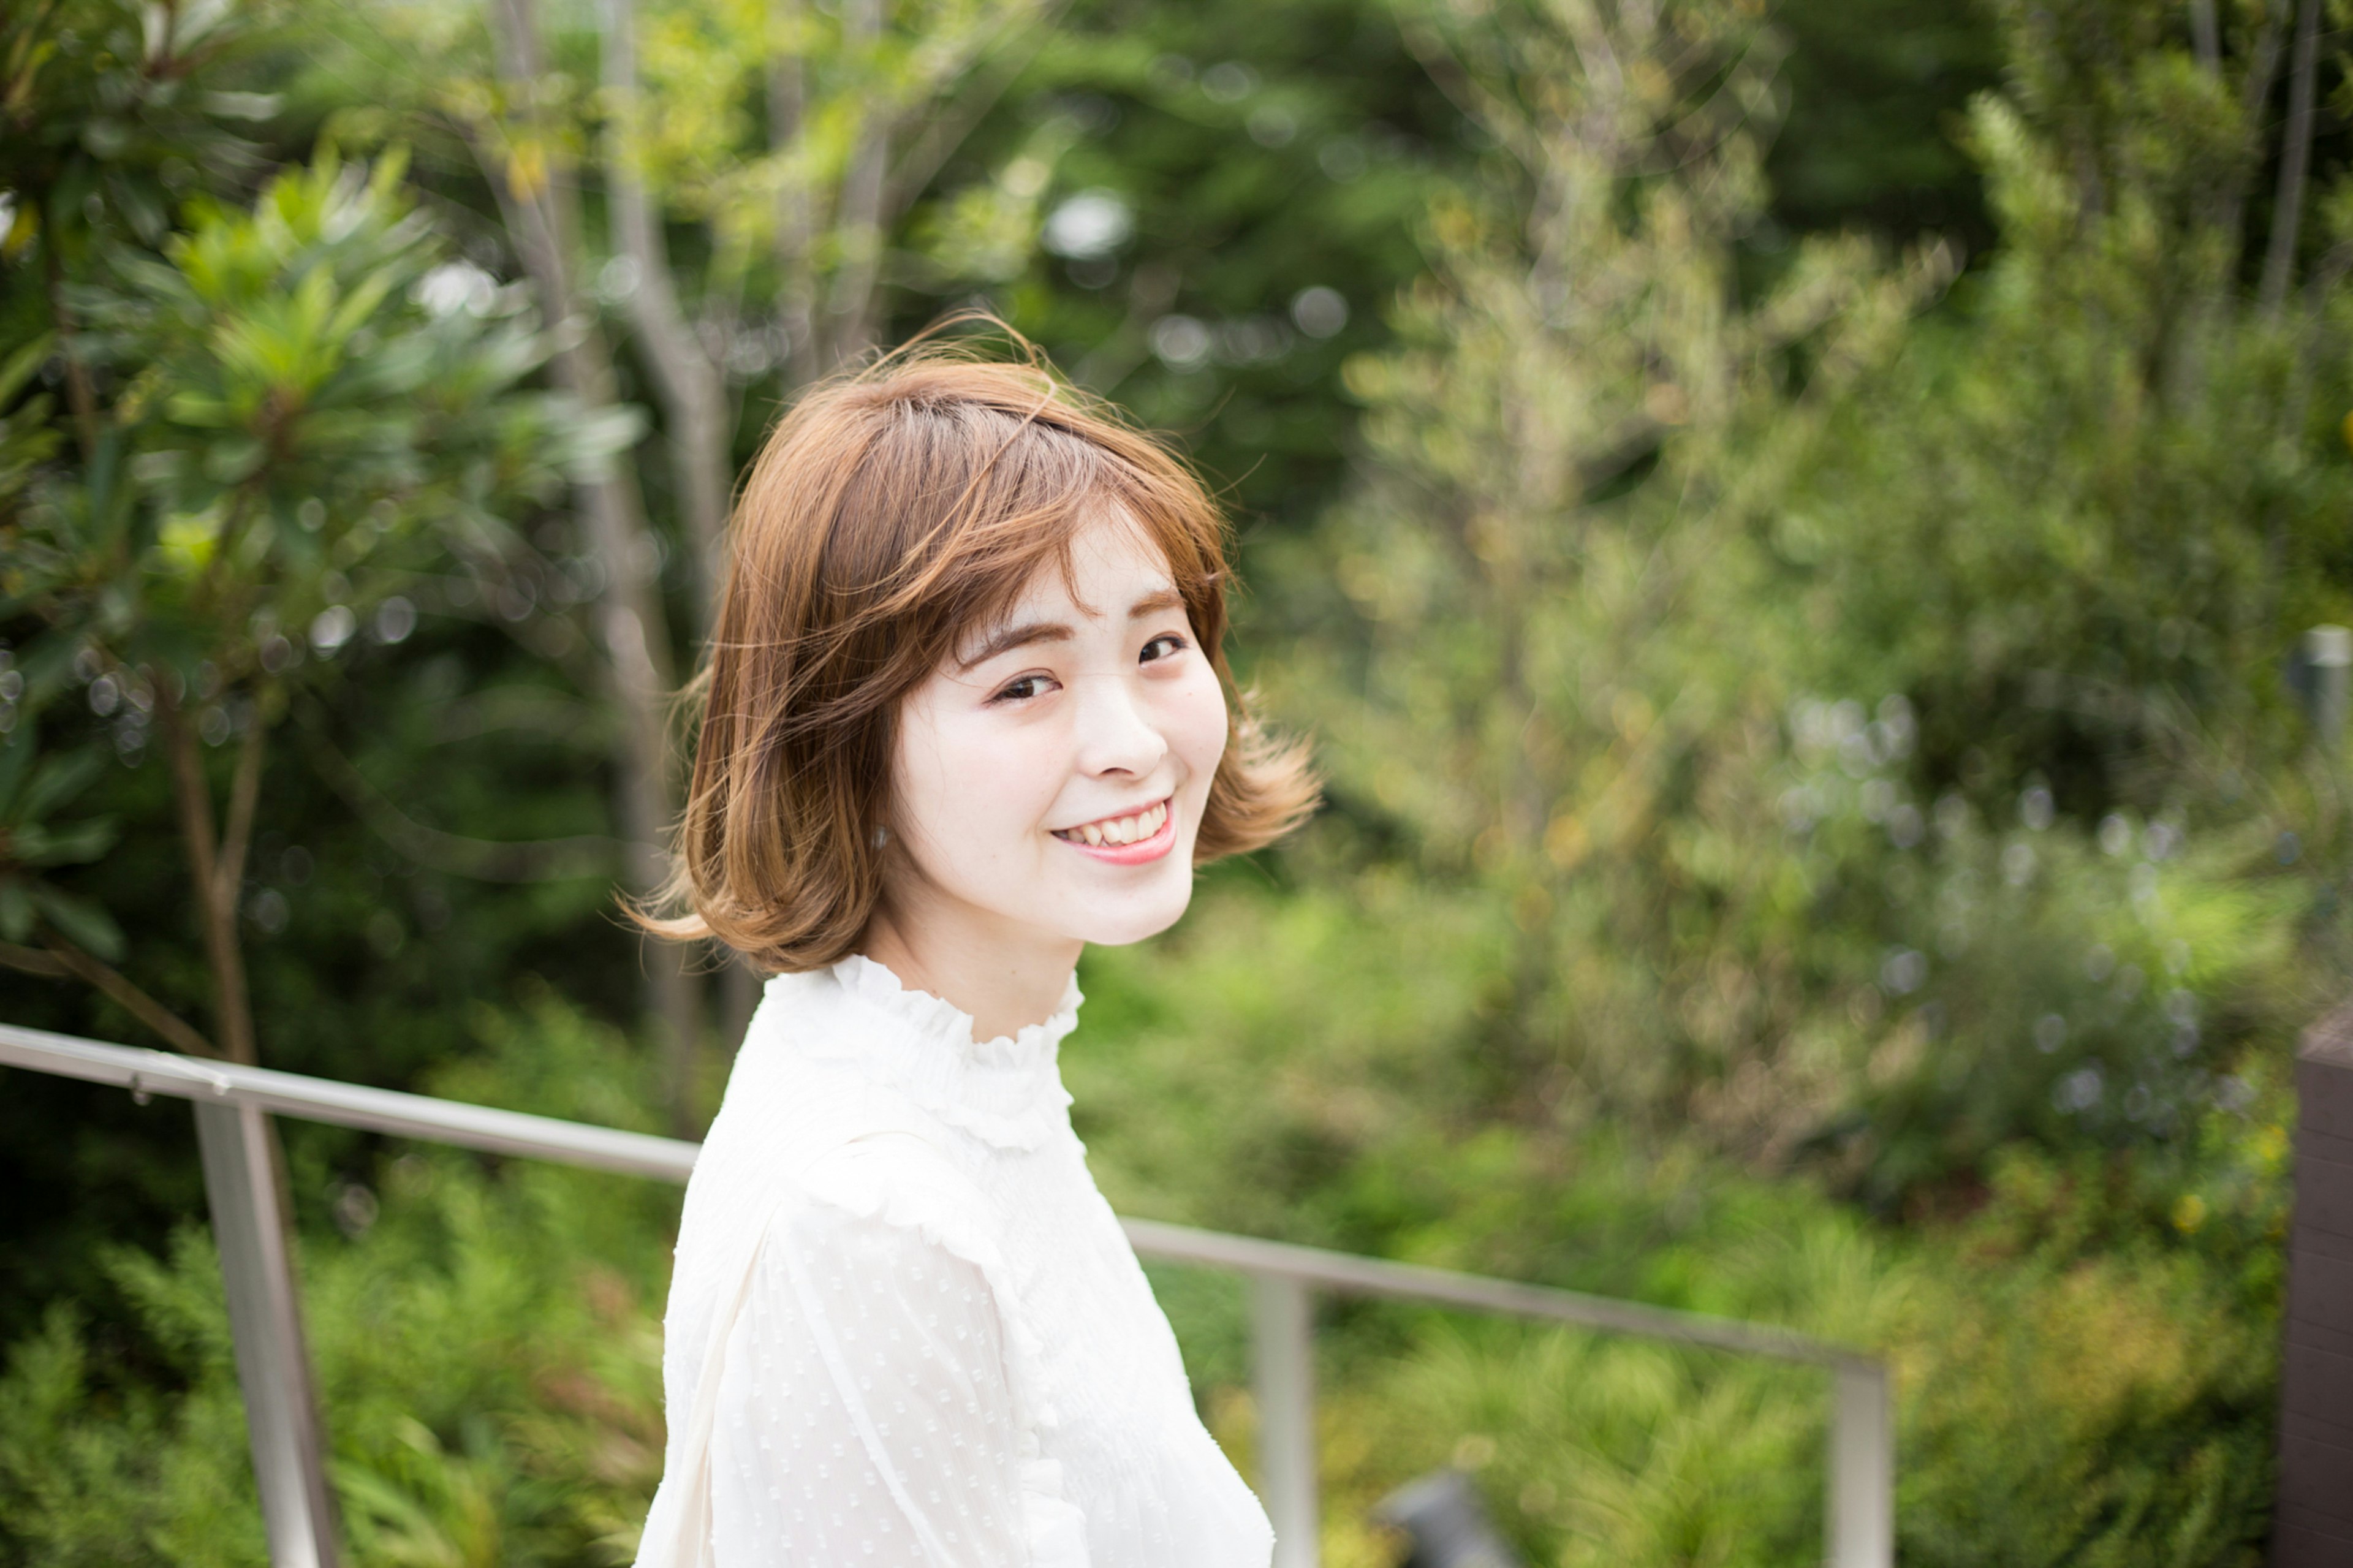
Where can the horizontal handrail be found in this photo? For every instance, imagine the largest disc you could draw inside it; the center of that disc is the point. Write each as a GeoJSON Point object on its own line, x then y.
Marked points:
{"type": "Point", "coordinates": [517, 1132]}
{"type": "Point", "coordinates": [1353, 1273]}
{"type": "Point", "coordinates": [231, 1099]}
{"type": "Point", "coordinates": [387, 1110]}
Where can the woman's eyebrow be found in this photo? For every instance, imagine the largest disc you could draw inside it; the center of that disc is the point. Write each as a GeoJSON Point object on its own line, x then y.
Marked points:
{"type": "Point", "coordinates": [1022, 633]}
{"type": "Point", "coordinates": [1005, 639]}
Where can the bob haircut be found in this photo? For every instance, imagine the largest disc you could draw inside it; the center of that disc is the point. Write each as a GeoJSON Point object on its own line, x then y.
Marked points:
{"type": "Point", "coordinates": [892, 513]}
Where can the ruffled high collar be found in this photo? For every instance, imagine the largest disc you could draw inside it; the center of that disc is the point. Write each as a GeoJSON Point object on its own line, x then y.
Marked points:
{"type": "Point", "coordinates": [1007, 1091]}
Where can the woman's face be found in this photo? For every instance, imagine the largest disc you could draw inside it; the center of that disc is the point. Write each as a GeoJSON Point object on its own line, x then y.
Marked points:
{"type": "Point", "coordinates": [1049, 780]}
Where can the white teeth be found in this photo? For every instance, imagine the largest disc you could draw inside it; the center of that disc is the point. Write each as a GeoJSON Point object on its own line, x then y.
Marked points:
{"type": "Point", "coordinates": [1118, 830]}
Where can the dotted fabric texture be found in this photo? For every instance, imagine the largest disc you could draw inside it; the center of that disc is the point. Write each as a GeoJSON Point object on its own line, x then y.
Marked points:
{"type": "Point", "coordinates": [871, 1420]}
{"type": "Point", "coordinates": [943, 1354]}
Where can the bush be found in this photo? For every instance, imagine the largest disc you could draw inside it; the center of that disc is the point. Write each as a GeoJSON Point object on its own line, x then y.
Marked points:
{"type": "Point", "coordinates": [486, 1343]}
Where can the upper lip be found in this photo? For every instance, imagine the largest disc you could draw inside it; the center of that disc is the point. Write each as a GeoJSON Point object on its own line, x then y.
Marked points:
{"type": "Point", "coordinates": [1136, 810]}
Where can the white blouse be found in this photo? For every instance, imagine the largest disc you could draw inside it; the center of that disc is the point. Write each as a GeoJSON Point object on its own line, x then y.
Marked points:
{"type": "Point", "coordinates": [935, 1346]}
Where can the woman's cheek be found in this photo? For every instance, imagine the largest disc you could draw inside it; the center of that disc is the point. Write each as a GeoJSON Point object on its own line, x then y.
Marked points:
{"type": "Point", "coordinates": [1200, 723]}
{"type": "Point", "coordinates": [949, 780]}
{"type": "Point", "coordinates": [1014, 773]}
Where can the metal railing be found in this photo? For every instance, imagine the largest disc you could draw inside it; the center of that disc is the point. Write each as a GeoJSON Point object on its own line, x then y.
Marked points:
{"type": "Point", "coordinates": [273, 1368]}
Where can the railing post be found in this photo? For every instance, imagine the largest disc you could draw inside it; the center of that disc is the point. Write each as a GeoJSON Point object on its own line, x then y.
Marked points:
{"type": "Point", "coordinates": [1862, 1470]}
{"type": "Point", "coordinates": [273, 1368]}
{"type": "Point", "coordinates": [1284, 1340]}
{"type": "Point", "coordinates": [2312, 1521]}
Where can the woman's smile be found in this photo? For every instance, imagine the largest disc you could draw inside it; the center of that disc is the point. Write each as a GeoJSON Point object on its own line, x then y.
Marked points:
{"type": "Point", "coordinates": [1126, 840]}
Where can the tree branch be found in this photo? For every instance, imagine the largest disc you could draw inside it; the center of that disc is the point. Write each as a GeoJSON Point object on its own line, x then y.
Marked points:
{"type": "Point", "coordinates": [944, 131]}
{"type": "Point", "coordinates": [629, 616]}
{"type": "Point", "coordinates": [796, 223]}
{"type": "Point", "coordinates": [2205, 35]}
{"type": "Point", "coordinates": [193, 798]}
{"type": "Point", "coordinates": [1474, 98]}
{"type": "Point", "coordinates": [190, 794]}
{"type": "Point", "coordinates": [33, 961]}
{"type": "Point", "coordinates": [2254, 93]}
{"type": "Point", "coordinates": [694, 401]}
{"type": "Point", "coordinates": [79, 395]}
{"type": "Point", "coordinates": [851, 307]}
{"type": "Point", "coordinates": [244, 795]}
{"type": "Point", "coordinates": [65, 960]}
{"type": "Point", "coordinates": [2295, 160]}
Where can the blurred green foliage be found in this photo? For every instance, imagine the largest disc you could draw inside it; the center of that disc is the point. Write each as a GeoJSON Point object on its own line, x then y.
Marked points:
{"type": "Point", "coordinates": [488, 1351]}
{"type": "Point", "coordinates": [2086, 1340]}
{"type": "Point", "coordinates": [295, 404]}
{"type": "Point", "coordinates": [488, 1333]}
{"type": "Point", "coordinates": [1783, 526]}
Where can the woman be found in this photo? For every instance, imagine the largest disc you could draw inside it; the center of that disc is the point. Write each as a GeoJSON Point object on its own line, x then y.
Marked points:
{"type": "Point", "coordinates": [966, 711]}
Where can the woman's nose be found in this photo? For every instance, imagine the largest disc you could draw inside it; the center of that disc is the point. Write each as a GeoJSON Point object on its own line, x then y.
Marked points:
{"type": "Point", "coordinates": [1116, 733]}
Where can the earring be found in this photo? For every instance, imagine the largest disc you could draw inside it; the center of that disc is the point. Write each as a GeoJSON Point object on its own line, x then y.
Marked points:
{"type": "Point", "coordinates": [881, 835]}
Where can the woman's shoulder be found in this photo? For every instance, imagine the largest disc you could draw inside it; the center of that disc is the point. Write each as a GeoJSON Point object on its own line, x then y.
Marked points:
{"type": "Point", "coordinates": [891, 1211]}
{"type": "Point", "coordinates": [900, 1180]}
{"type": "Point", "coordinates": [816, 1166]}
{"type": "Point", "coordinates": [805, 1122]}
{"type": "Point", "coordinates": [792, 1118]}
{"type": "Point", "coordinates": [796, 1088]}
{"type": "Point", "coordinates": [829, 1137]}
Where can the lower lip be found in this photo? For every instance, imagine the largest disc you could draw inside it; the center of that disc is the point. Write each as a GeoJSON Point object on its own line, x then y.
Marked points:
{"type": "Point", "coordinates": [1138, 853]}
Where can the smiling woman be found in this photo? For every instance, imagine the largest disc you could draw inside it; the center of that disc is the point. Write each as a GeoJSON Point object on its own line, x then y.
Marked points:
{"type": "Point", "coordinates": [897, 531]}
{"type": "Point", "coordinates": [1045, 780]}
{"type": "Point", "coordinates": [966, 711]}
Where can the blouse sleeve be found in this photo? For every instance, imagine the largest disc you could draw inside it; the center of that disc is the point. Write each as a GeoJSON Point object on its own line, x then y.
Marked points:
{"type": "Point", "coordinates": [869, 1416]}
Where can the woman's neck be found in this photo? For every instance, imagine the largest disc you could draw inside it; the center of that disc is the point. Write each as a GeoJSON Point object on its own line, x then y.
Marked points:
{"type": "Point", "coordinates": [1005, 983]}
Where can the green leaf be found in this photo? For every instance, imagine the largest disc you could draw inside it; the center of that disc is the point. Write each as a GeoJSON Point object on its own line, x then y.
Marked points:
{"type": "Point", "coordinates": [362, 302]}
{"type": "Point", "coordinates": [74, 845]}
{"type": "Point", "coordinates": [230, 461]}
{"type": "Point", "coordinates": [55, 781]}
{"type": "Point", "coordinates": [16, 754]}
{"type": "Point", "coordinates": [80, 921]}
{"type": "Point", "coordinates": [202, 410]}
{"type": "Point", "coordinates": [255, 106]}
{"type": "Point", "coordinates": [137, 202]}
{"type": "Point", "coordinates": [15, 909]}
{"type": "Point", "coordinates": [22, 366]}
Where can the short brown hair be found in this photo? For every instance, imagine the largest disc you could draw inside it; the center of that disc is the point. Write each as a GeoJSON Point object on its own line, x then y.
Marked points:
{"type": "Point", "coordinates": [890, 512]}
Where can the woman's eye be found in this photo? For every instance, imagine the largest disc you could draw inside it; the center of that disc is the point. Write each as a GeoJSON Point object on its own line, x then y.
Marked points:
{"type": "Point", "coordinates": [1167, 645]}
{"type": "Point", "coordinates": [1021, 690]}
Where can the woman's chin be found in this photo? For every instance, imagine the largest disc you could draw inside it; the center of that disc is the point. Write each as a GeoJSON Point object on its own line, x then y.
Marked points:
{"type": "Point", "coordinates": [1118, 922]}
